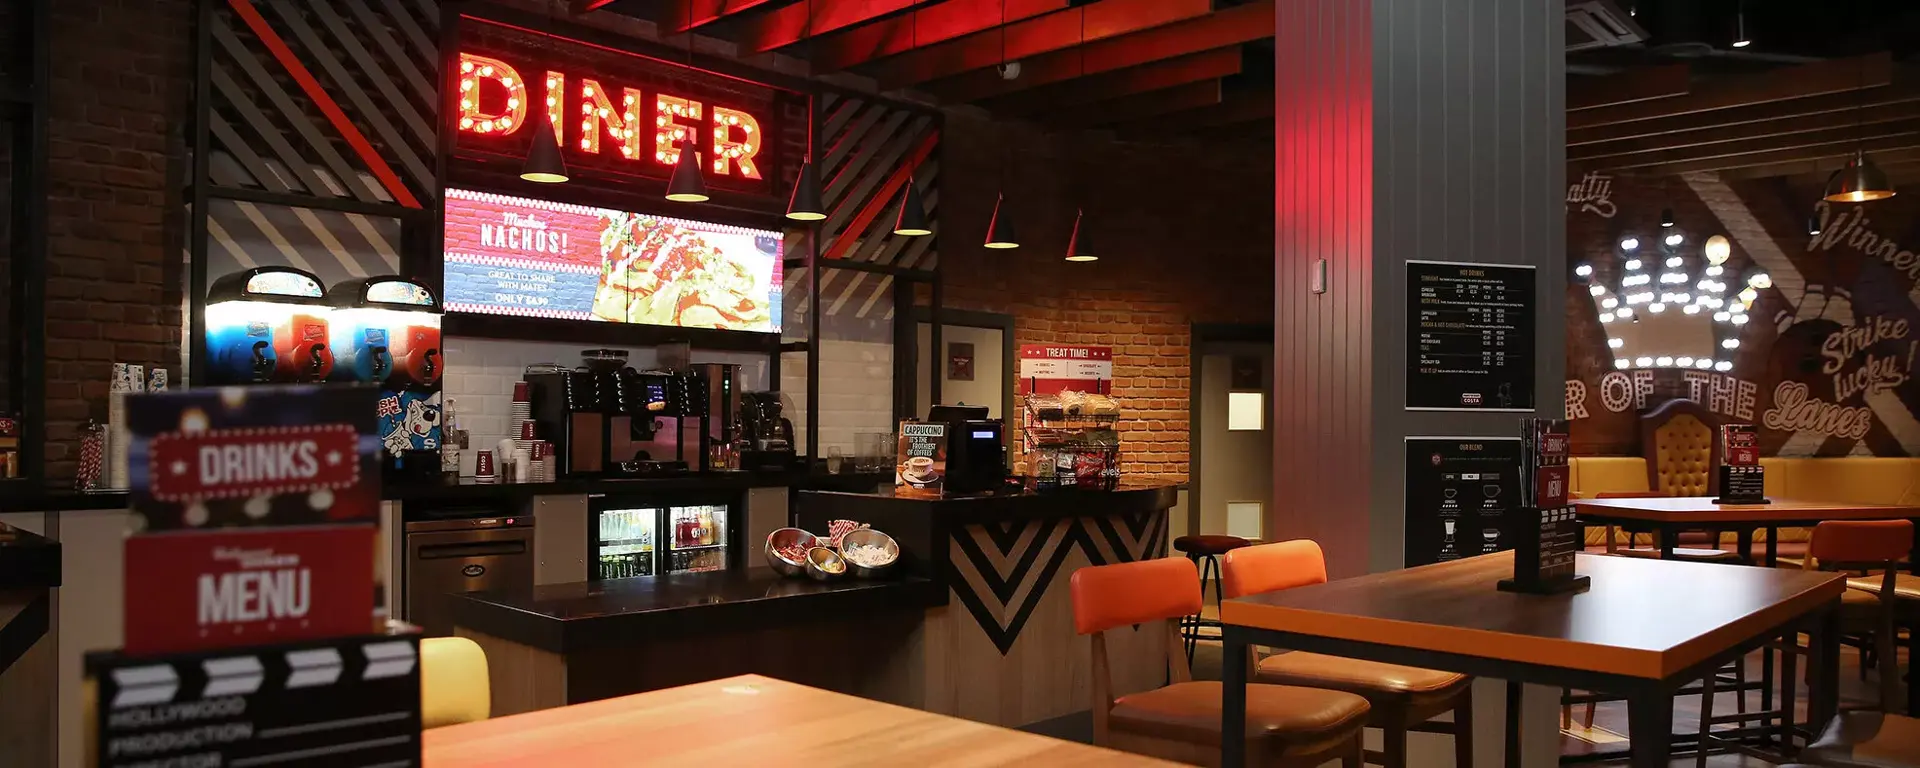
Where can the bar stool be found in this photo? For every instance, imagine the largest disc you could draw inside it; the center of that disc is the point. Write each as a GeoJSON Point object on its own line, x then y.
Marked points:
{"type": "Point", "coordinates": [1870, 739]}
{"type": "Point", "coordinates": [1402, 698]}
{"type": "Point", "coordinates": [1205, 551]}
{"type": "Point", "coordinates": [1287, 727]}
{"type": "Point", "coordinates": [454, 687]}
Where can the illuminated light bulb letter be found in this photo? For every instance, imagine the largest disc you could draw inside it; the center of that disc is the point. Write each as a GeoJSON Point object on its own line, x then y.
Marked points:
{"type": "Point", "coordinates": [736, 139]}
{"type": "Point", "coordinates": [669, 130]}
{"type": "Point", "coordinates": [556, 93]}
{"type": "Point", "coordinates": [621, 121]}
{"type": "Point", "coordinates": [509, 112]}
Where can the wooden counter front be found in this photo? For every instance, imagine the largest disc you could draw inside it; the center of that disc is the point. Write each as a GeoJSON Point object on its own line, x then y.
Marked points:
{"type": "Point", "coordinates": [1003, 649]}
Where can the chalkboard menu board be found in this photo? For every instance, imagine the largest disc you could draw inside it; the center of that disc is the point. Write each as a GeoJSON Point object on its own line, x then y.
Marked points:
{"type": "Point", "coordinates": [342, 701]}
{"type": "Point", "coordinates": [1469, 336]}
{"type": "Point", "coordinates": [1460, 492]}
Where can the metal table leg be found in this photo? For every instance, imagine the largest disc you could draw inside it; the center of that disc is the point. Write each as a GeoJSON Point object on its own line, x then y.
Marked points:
{"type": "Point", "coordinates": [1650, 726]}
{"type": "Point", "coordinates": [1233, 705]}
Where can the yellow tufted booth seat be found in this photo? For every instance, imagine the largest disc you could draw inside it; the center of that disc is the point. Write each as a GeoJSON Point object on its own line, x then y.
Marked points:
{"type": "Point", "coordinates": [1857, 479]}
{"type": "Point", "coordinates": [1683, 456]}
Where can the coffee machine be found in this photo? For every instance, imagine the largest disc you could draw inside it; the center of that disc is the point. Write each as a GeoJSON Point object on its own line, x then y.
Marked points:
{"type": "Point", "coordinates": [657, 424]}
{"type": "Point", "coordinates": [976, 448]}
{"type": "Point", "coordinates": [607, 419]}
{"type": "Point", "coordinates": [764, 439]}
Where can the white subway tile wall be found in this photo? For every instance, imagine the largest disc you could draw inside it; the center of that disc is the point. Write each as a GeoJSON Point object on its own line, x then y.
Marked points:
{"type": "Point", "coordinates": [856, 392]}
{"type": "Point", "coordinates": [481, 372]}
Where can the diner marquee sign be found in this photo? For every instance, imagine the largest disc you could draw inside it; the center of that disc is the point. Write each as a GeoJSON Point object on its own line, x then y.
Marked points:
{"type": "Point", "coordinates": [619, 113]}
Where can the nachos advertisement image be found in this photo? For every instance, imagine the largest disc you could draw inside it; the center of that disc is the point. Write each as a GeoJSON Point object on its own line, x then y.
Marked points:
{"type": "Point", "coordinates": [533, 258]}
{"type": "Point", "coordinates": [253, 456]}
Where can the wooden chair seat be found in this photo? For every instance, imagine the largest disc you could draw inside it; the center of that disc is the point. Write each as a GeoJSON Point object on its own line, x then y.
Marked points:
{"type": "Point", "coordinates": [1288, 719]}
{"type": "Point", "coordinates": [1865, 739]}
{"type": "Point", "coordinates": [1906, 586]}
{"type": "Point", "coordinates": [1380, 684]}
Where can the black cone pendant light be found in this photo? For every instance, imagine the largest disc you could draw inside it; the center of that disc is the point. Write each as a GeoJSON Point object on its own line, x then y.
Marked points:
{"type": "Point", "coordinates": [688, 184]}
{"type": "Point", "coordinates": [912, 221]}
{"type": "Point", "coordinates": [1858, 182]}
{"type": "Point", "coordinates": [544, 163]}
{"type": "Point", "coordinates": [805, 203]}
{"type": "Point", "coordinates": [1666, 217]}
{"type": "Point", "coordinates": [1080, 246]}
{"type": "Point", "coordinates": [1000, 232]}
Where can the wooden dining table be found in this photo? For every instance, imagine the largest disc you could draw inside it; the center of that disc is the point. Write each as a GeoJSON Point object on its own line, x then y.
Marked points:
{"type": "Point", "coordinates": [1668, 516]}
{"type": "Point", "coordinates": [748, 720]}
{"type": "Point", "coordinates": [1642, 630]}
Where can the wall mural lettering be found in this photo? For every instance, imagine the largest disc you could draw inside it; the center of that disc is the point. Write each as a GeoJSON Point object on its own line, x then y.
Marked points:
{"type": "Point", "coordinates": [1825, 368]}
{"type": "Point", "coordinates": [1594, 194]}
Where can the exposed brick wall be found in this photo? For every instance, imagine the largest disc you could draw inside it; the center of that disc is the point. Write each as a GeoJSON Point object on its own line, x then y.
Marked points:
{"type": "Point", "coordinates": [122, 74]}
{"type": "Point", "coordinates": [1184, 234]}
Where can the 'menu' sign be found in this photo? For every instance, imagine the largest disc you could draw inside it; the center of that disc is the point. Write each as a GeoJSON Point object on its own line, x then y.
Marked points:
{"type": "Point", "coordinates": [616, 112]}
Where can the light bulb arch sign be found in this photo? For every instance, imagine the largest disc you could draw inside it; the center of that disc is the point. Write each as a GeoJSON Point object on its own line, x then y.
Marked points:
{"type": "Point", "coordinates": [620, 114]}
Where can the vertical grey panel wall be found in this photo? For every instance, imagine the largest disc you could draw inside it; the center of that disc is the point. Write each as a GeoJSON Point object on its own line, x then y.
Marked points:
{"type": "Point", "coordinates": [1406, 129]}
{"type": "Point", "coordinates": [1323, 365]}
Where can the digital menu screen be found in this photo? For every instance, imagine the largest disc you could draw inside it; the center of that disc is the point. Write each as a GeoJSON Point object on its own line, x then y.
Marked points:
{"type": "Point", "coordinates": [1469, 336]}
{"type": "Point", "coordinates": [534, 258]}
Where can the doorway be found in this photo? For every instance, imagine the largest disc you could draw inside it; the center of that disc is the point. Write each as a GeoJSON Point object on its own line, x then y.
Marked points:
{"type": "Point", "coordinates": [1232, 445]}
{"type": "Point", "coordinates": [974, 364]}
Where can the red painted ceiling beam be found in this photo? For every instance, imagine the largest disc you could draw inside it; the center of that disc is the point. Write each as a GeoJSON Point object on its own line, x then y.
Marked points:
{"type": "Point", "coordinates": [1191, 68]}
{"type": "Point", "coordinates": [935, 23]}
{"type": "Point", "coordinates": [1036, 36]}
{"type": "Point", "coordinates": [1229, 27]}
{"type": "Point", "coordinates": [676, 16]}
{"type": "Point", "coordinates": [786, 26]}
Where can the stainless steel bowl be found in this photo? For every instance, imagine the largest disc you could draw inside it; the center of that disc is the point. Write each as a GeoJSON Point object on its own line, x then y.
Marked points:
{"type": "Point", "coordinates": [821, 556]}
{"type": "Point", "coordinates": [870, 537]}
{"type": "Point", "coordinates": [785, 536]}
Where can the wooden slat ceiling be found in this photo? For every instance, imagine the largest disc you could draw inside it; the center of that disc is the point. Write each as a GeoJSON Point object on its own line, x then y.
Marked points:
{"type": "Point", "coordinates": [1152, 70]}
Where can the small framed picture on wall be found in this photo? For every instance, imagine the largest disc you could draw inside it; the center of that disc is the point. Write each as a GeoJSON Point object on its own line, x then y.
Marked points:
{"type": "Point", "coordinates": [960, 361]}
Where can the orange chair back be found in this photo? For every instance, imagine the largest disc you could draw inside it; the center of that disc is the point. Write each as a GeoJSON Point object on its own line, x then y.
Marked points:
{"type": "Point", "coordinates": [1108, 596]}
{"type": "Point", "coordinates": [1861, 541]}
{"type": "Point", "coordinates": [1272, 567]}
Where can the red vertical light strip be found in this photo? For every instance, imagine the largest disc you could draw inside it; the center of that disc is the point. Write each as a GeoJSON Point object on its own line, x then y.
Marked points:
{"type": "Point", "coordinates": [878, 203]}
{"type": "Point", "coordinates": [311, 86]}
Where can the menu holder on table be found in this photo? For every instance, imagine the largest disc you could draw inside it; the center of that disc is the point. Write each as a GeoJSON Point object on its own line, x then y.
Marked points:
{"type": "Point", "coordinates": [1742, 479]}
{"type": "Point", "coordinates": [1547, 534]}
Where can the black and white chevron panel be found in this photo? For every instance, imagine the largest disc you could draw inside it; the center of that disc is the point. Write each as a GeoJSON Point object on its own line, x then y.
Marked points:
{"type": "Point", "coordinates": [346, 701]}
{"type": "Point", "coordinates": [1001, 571]}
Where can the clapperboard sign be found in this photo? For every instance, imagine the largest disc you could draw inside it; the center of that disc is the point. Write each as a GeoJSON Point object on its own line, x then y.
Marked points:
{"type": "Point", "coordinates": [350, 701]}
{"type": "Point", "coordinates": [1547, 535]}
{"type": "Point", "coordinates": [1742, 479]}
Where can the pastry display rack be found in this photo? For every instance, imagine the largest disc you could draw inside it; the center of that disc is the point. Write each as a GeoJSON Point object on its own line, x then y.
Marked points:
{"type": "Point", "coordinates": [1071, 440]}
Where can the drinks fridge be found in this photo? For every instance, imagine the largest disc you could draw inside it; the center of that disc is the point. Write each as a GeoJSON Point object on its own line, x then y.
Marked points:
{"type": "Point", "coordinates": [634, 537]}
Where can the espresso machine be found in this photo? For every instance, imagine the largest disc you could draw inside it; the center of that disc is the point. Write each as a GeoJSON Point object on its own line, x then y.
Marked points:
{"type": "Point", "coordinates": [606, 419]}
{"type": "Point", "coordinates": [657, 425]}
{"type": "Point", "coordinates": [763, 439]}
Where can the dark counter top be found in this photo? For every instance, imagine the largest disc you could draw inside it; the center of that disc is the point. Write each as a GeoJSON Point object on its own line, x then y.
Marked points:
{"type": "Point", "coordinates": [32, 498]}
{"type": "Point", "coordinates": [564, 618]}
{"type": "Point", "coordinates": [984, 508]}
{"type": "Point", "coordinates": [28, 560]}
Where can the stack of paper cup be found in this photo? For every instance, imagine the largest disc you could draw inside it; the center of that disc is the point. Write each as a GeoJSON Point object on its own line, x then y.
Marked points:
{"type": "Point", "coordinates": [542, 461]}
{"type": "Point", "coordinates": [520, 416]}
